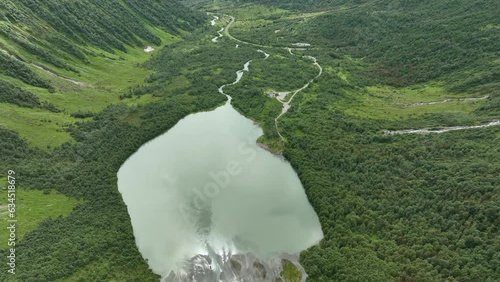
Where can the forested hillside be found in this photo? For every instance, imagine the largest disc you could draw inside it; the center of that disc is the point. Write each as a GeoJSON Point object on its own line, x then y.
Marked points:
{"type": "Point", "coordinates": [304, 5]}
{"type": "Point", "coordinates": [408, 42]}
{"type": "Point", "coordinates": [107, 24]}
{"type": "Point", "coordinates": [61, 64]}
{"type": "Point", "coordinates": [80, 95]}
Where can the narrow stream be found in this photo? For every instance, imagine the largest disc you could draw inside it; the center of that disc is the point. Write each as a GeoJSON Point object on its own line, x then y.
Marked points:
{"type": "Point", "coordinates": [442, 130]}
{"type": "Point", "coordinates": [82, 84]}
{"type": "Point", "coordinates": [449, 100]}
{"type": "Point", "coordinates": [265, 54]}
{"type": "Point", "coordinates": [78, 83]}
{"type": "Point", "coordinates": [215, 39]}
{"type": "Point", "coordinates": [216, 18]}
{"type": "Point", "coordinates": [239, 75]}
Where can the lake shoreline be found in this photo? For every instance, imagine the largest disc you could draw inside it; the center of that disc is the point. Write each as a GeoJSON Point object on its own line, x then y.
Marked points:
{"type": "Point", "coordinates": [266, 147]}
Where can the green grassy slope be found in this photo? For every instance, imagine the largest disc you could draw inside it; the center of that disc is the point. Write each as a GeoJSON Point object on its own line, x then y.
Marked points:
{"type": "Point", "coordinates": [61, 64]}
{"type": "Point", "coordinates": [63, 58]}
{"type": "Point", "coordinates": [34, 206]}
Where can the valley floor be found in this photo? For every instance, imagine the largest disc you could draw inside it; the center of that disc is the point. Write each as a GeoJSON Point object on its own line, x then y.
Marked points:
{"type": "Point", "coordinates": [393, 205]}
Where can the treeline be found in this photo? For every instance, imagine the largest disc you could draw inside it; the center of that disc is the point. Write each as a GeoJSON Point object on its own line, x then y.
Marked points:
{"type": "Point", "coordinates": [18, 96]}
{"type": "Point", "coordinates": [13, 150]}
{"type": "Point", "coordinates": [14, 68]}
{"type": "Point", "coordinates": [492, 107]}
{"type": "Point", "coordinates": [15, 95]}
{"type": "Point", "coordinates": [82, 114]}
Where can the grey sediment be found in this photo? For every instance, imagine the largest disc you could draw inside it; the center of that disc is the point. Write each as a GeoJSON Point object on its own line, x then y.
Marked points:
{"type": "Point", "coordinates": [266, 147]}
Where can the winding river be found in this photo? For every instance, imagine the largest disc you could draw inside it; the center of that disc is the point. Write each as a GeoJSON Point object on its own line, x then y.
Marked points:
{"type": "Point", "coordinates": [208, 204]}
{"type": "Point", "coordinates": [300, 46]}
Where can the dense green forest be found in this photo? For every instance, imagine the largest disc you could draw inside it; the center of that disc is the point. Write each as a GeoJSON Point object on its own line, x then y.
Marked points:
{"type": "Point", "coordinates": [407, 42]}
{"type": "Point", "coordinates": [392, 207]}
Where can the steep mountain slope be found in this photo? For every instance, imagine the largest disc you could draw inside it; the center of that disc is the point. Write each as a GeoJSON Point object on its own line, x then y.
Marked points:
{"type": "Point", "coordinates": [64, 34]}
{"type": "Point", "coordinates": [74, 57]}
{"type": "Point", "coordinates": [61, 62]}
{"type": "Point", "coordinates": [106, 24]}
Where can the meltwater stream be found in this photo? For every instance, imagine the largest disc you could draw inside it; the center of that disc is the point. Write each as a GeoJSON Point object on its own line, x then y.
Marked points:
{"type": "Point", "coordinates": [208, 204]}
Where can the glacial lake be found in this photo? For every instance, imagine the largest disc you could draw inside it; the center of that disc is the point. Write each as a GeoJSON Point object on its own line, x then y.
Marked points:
{"type": "Point", "coordinates": [206, 186]}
